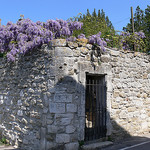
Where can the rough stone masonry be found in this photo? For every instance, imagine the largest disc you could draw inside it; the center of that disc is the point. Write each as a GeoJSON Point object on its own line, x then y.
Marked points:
{"type": "Point", "coordinates": [42, 95]}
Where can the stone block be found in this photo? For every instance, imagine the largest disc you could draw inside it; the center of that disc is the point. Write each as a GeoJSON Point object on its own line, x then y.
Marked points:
{"type": "Point", "coordinates": [1, 102]}
{"type": "Point", "coordinates": [24, 121]}
{"type": "Point", "coordinates": [83, 40]}
{"type": "Point", "coordinates": [58, 42]}
{"type": "Point", "coordinates": [68, 115]}
{"type": "Point", "coordinates": [43, 139]}
{"type": "Point", "coordinates": [50, 145]}
{"type": "Point", "coordinates": [114, 105]}
{"type": "Point", "coordinates": [121, 94]}
{"type": "Point", "coordinates": [19, 102]}
{"type": "Point", "coordinates": [49, 121]}
{"type": "Point", "coordinates": [105, 58]}
{"type": "Point", "coordinates": [72, 146]}
{"type": "Point", "coordinates": [71, 108]}
{"type": "Point", "coordinates": [72, 44]}
{"type": "Point", "coordinates": [123, 115]}
{"type": "Point", "coordinates": [63, 97]}
{"type": "Point", "coordinates": [18, 128]}
{"type": "Point", "coordinates": [1, 118]}
{"type": "Point", "coordinates": [145, 76]}
{"type": "Point", "coordinates": [76, 52]}
{"type": "Point", "coordinates": [25, 141]}
{"type": "Point", "coordinates": [144, 126]}
{"type": "Point", "coordinates": [114, 53]}
{"type": "Point", "coordinates": [89, 46]}
{"type": "Point", "coordinates": [70, 129]}
{"type": "Point", "coordinates": [116, 93]}
{"type": "Point", "coordinates": [62, 138]}
{"type": "Point", "coordinates": [84, 50]}
{"type": "Point", "coordinates": [52, 129]}
{"type": "Point", "coordinates": [96, 145]}
{"type": "Point", "coordinates": [131, 109]}
{"type": "Point", "coordinates": [81, 110]}
{"type": "Point", "coordinates": [63, 121]}
{"type": "Point", "coordinates": [63, 52]}
{"type": "Point", "coordinates": [57, 107]}
{"type": "Point", "coordinates": [20, 113]}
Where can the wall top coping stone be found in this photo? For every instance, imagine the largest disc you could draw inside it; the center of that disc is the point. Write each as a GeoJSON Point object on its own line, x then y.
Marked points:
{"type": "Point", "coordinates": [84, 43]}
{"type": "Point", "coordinates": [115, 51]}
{"type": "Point", "coordinates": [63, 42]}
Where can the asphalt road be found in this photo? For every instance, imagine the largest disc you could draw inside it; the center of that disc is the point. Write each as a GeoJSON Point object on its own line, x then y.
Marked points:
{"type": "Point", "coordinates": [140, 146]}
{"type": "Point", "coordinates": [133, 143]}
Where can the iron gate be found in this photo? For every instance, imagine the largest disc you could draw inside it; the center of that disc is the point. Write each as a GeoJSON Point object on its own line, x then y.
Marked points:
{"type": "Point", "coordinates": [95, 108]}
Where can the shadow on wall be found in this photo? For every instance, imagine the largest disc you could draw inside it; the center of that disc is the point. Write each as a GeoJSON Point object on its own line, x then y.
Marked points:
{"type": "Point", "coordinates": [37, 108]}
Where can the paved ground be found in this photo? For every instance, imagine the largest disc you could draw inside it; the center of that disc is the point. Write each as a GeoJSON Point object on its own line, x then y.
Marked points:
{"type": "Point", "coordinates": [132, 143]}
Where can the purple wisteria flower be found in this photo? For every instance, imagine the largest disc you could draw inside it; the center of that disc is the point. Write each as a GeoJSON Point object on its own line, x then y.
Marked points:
{"type": "Point", "coordinates": [96, 39]}
{"type": "Point", "coordinates": [26, 35]}
{"type": "Point", "coordinates": [71, 39]}
{"type": "Point", "coordinates": [81, 36]}
{"type": "Point", "coordinates": [140, 34]}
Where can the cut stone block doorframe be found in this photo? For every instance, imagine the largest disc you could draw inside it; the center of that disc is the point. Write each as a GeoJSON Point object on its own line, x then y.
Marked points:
{"type": "Point", "coordinates": [104, 70]}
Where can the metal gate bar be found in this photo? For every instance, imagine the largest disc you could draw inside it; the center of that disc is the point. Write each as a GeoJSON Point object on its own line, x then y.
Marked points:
{"type": "Point", "coordinates": [95, 125]}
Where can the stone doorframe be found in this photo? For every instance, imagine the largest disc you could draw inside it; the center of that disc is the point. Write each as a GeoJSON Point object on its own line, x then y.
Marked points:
{"type": "Point", "coordinates": [102, 69]}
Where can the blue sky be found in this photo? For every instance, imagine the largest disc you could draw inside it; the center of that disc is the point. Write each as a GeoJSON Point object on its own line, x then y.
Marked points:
{"type": "Point", "coordinates": [118, 11]}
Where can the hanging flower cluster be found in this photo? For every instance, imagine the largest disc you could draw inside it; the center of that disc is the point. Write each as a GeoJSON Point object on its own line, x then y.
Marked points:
{"type": "Point", "coordinates": [25, 35]}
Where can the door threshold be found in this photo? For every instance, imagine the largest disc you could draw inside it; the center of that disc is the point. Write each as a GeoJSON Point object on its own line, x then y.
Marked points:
{"type": "Point", "coordinates": [96, 145]}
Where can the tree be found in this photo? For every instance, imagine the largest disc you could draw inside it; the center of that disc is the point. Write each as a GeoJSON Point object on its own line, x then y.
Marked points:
{"type": "Point", "coordinates": [147, 26]}
{"type": "Point", "coordinates": [138, 21]}
{"type": "Point", "coordinates": [88, 13]}
{"type": "Point", "coordinates": [108, 22]}
{"type": "Point", "coordinates": [141, 23]}
{"type": "Point", "coordinates": [99, 13]}
{"type": "Point", "coordinates": [102, 14]}
{"type": "Point", "coordinates": [92, 24]}
{"type": "Point", "coordinates": [94, 13]}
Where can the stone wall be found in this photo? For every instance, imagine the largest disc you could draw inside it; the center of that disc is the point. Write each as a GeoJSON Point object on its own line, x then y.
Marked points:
{"type": "Point", "coordinates": [42, 96]}
{"type": "Point", "coordinates": [130, 103]}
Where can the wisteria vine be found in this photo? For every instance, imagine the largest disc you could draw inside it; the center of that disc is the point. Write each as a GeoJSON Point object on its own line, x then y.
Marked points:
{"type": "Point", "coordinates": [131, 41]}
{"type": "Point", "coordinates": [25, 35]}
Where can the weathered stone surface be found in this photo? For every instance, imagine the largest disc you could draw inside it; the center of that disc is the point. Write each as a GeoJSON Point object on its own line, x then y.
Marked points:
{"type": "Point", "coordinates": [105, 58]}
{"type": "Point", "coordinates": [57, 107]}
{"type": "Point", "coordinates": [63, 97]}
{"type": "Point", "coordinates": [42, 97]}
{"type": "Point", "coordinates": [89, 46]}
{"type": "Point", "coordinates": [20, 113]}
{"type": "Point", "coordinates": [43, 139]}
{"type": "Point", "coordinates": [114, 53]}
{"type": "Point", "coordinates": [50, 145]}
{"type": "Point", "coordinates": [71, 108]}
{"type": "Point", "coordinates": [63, 121]}
{"type": "Point", "coordinates": [72, 146]}
{"type": "Point", "coordinates": [63, 52]}
{"type": "Point", "coordinates": [52, 129]}
{"type": "Point", "coordinates": [82, 42]}
{"type": "Point", "coordinates": [66, 115]}
{"type": "Point", "coordinates": [76, 52]}
{"type": "Point", "coordinates": [62, 138]}
{"type": "Point", "coordinates": [72, 44]}
{"type": "Point", "coordinates": [58, 42]}
{"type": "Point", "coordinates": [70, 129]}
